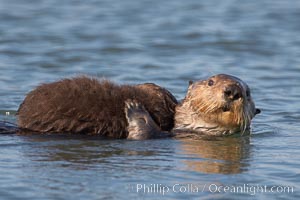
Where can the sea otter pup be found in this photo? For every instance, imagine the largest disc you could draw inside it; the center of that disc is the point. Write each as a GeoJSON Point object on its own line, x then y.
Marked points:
{"type": "Point", "coordinates": [220, 105]}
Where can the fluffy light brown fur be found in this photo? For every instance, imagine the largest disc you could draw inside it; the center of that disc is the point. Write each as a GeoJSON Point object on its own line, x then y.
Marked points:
{"type": "Point", "coordinates": [206, 108]}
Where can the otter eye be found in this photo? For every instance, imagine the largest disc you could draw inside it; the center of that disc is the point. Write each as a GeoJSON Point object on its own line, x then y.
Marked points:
{"type": "Point", "coordinates": [210, 82]}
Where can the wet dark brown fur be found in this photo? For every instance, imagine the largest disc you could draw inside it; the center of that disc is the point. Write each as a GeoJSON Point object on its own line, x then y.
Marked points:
{"type": "Point", "coordinates": [88, 106]}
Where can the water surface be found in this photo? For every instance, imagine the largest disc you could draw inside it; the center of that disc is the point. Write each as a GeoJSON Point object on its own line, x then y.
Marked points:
{"type": "Point", "coordinates": [169, 43]}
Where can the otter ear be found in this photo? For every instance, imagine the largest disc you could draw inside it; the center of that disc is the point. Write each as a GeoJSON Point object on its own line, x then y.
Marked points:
{"type": "Point", "coordinates": [257, 111]}
{"type": "Point", "coordinates": [190, 85]}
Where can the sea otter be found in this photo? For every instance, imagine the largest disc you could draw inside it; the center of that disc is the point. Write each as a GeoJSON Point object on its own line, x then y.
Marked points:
{"type": "Point", "coordinates": [220, 105]}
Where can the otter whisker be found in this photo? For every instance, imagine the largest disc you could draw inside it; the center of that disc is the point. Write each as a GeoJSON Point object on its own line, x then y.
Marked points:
{"type": "Point", "coordinates": [246, 119]}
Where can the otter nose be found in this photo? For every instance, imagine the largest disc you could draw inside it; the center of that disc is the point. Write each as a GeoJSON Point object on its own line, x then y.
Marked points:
{"type": "Point", "coordinates": [233, 92]}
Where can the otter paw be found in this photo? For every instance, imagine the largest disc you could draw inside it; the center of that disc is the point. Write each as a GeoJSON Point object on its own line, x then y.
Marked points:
{"type": "Point", "coordinates": [133, 109]}
{"type": "Point", "coordinates": [140, 125]}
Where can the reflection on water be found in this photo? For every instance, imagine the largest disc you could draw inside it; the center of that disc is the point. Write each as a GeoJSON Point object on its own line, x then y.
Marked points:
{"type": "Point", "coordinates": [87, 152]}
{"type": "Point", "coordinates": [213, 155]}
{"type": "Point", "coordinates": [218, 155]}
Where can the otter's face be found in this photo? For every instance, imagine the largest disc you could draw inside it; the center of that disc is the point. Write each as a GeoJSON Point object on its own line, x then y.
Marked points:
{"type": "Point", "coordinates": [223, 102]}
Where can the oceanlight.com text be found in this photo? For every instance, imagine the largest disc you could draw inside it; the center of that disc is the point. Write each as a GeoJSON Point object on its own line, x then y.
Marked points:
{"type": "Point", "coordinates": [251, 189]}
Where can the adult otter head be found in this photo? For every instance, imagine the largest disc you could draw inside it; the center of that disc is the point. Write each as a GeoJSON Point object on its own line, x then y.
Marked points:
{"type": "Point", "coordinates": [220, 105]}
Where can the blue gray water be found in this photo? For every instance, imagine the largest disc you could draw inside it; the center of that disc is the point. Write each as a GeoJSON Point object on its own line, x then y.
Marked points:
{"type": "Point", "coordinates": [169, 43]}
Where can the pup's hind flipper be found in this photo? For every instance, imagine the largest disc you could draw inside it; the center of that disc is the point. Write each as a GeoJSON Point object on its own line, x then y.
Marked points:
{"type": "Point", "coordinates": [140, 124]}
